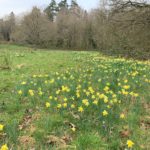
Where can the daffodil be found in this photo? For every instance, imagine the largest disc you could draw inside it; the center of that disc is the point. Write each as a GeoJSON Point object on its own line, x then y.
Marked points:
{"type": "Point", "coordinates": [114, 95]}
{"type": "Point", "coordinates": [85, 102]}
{"type": "Point", "coordinates": [93, 96]}
{"type": "Point", "coordinates": [47, 104]}
{"type": "Point", "coordinates": [87, 93]}
{"type": "Point", "coordinates": [125, 81]}
{"type": "Point", "coordinates": [134, 74]}
{"type": "Point", "coordinates": [1, 127]}
{"type": "Point", "coordinates": [130, 143]}
{"type": "Point", "coordinates": [23, 83]}
{"type": "Point", "coordinates": [65, 105]}
{"type": "Point", "coordinates": [80, 109]}
{"type": "Point", "coordinates": [59, 106]}
{"type": "Point", "coordinates": [57, 92]}
{"type": "Point", "coordinates": [126, 87]}
{"type": "Point", "coordinates": [73, 129]}
{"type": "Point", "coordinates": [40, 93]}
{"type": "Point", "coordinates": [55, 98]}
{"type": "Point", "coordinates": [99, 80]}
{"type": "Point", "coordinates": [52, 81]}
{"type": "Point", "coordinates": [115, 100]}
{"type": "Point", "coordinates": [46, 82]}
{"type": "Point", "coordinates": [106, 89]}
{"type": "Point", "coordinates": [119, 84]}
{"type": "Point", "coordinates": [72, 106]}
{"type": "Point", "coordinates": [65, 99]}
{"type": "Point", "coordinates": [31, 92]}
{"type": "Point", "coordinates": [105, 113]}
{"type": "Point", "coordinates": [125, 92]}
{"type": "Point", "coordinates": [34, 76]}
{"type": "Point", "coordinates": [91, 90]}
{"type": "Point", "coordinates": [105, 100]}
{"type": "Point", "coordinates": [122, 116]}
{"type": "Point", "coordinates": [108, 106]}
{"type": "Point", "coordinates": [4, 147]}
{"type": "Point", "coordinates": [101, 96]}
{"type": "Point", "coordinates": [50, 97]}
{"type": "Point", "coordinates": [65, 89]}
{"type": "Point", "coordinates": [78, 95]}
{"type": "Point", "coordinates": [95, 102]}
{"type": "Point", "coordinates": [97, 93]}
{"type": "Point", "coordinates": [134, 94]}
{"type": "Point", "coordinates": [20, 92]}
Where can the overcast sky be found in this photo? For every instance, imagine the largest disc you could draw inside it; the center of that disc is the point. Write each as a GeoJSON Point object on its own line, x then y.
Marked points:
{"type": "Point", "coordinates": [20, 6]}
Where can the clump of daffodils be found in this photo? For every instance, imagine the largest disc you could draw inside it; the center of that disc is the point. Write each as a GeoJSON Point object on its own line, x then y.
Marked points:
{"type": "Point", "coordinates": [87, 92]}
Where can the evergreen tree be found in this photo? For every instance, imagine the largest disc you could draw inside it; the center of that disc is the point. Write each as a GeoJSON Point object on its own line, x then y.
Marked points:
{"type": "Point", "coordinates": [51, 10]}
{"type": "Point", "coordinates": [74, 4]}
{"type": "Point", "coordinates": [63, 4]}
{"type": "Point", "coordinates": [12, 20]}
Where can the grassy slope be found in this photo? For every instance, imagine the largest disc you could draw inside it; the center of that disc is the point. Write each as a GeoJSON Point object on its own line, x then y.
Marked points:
{"type": "Point", "coordinates": [26, 62]}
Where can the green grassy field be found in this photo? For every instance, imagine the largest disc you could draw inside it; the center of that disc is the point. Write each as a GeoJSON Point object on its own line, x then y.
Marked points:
{"type": "Point", "coordinates": [72, 100]}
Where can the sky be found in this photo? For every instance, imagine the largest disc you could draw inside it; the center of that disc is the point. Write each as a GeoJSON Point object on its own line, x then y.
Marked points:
{"type": "Point", "coordinates": [21, 6]}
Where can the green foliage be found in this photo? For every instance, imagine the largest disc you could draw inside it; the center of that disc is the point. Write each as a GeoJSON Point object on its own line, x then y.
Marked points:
{"type": "Point", "coordinates": [6, 60]}
{"type": "Point", "coordinates": [12, 131]}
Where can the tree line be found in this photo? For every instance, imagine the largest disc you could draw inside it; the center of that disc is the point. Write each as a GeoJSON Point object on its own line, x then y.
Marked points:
{"type": "Point", "coordinates": [115, 25]}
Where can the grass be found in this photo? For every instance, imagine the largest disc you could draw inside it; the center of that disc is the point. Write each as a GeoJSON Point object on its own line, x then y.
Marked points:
{"type": "Point", "coordinates": [72, 100]}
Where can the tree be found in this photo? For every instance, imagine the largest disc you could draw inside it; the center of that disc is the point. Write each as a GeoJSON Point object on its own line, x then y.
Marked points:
{"type": "Point", "coordinates": [132, 19]}
{"type": "Point", "coordinates": [74, 4]}
{"type": "Point", "coordinates": [8, 26]}
{"type": "Point", "coordinates": [1, 24]}
{"type": "Point", "coordinates": [51, 10]}
{"type": "Point", "coordinates": [63, 5]}
{"type": "Point", "coordinates": [12, 19]}
{"type": "Point", "coordinates": [36, 28]}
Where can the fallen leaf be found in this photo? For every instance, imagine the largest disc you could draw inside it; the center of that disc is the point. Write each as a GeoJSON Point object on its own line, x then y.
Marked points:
{"type": "Point", "coordinates": [125, 133]}
{"type": "Point", "coordinates": [26, 142]}
{"type": "Point", "coordinates": [2, 135]}
{"type": "Point", "coordinates": [55, 141]}
{"type": "Point", "coordinates": [25, 122]}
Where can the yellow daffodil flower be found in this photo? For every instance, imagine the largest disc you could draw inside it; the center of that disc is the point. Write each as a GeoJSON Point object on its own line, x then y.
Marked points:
{"type": "Point", "coordinates": [122, 116]}
{"type": "Point", "coordinates": [130, 143]}
{"type": "Point", "coordinates": [59, 106]}
{"type": "Point", "coordinates": [95, 102]}
{"type": "Point", "coordinates": [80, 109]}
{"type": "Point", "coordinates": [4, 147]}
{"type": "Point", "coordinates": [1, 127]}
{"type": "Point", "coordinates": [105, 113]}
{"type": "Point", "coordinates": [31, 92]}
{"type": "Point", "coordinates": [64, 105]}
{"type": "Point", "coordinates": [47, 104]}
{"type": "Point", "coordinates": [72, 106]}
{"type": "Point", "coordinates": [73, 129]}
{"type": "Point", "coordinates": [20, 92]}
{"type": "Point", "coordinates": [23, 83]}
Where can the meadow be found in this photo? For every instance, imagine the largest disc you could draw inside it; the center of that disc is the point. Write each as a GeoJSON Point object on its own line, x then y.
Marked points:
{"type": "Point", "coordinates": [72, 100]}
